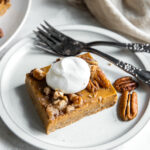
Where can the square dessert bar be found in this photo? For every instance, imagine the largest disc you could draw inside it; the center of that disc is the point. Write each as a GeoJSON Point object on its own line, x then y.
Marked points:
{"type": "Point", "coordinates": [57, 109]}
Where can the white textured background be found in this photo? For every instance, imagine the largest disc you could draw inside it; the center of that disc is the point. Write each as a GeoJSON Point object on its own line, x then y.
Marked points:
{"type": "Point", "coordinates": [59, 12]}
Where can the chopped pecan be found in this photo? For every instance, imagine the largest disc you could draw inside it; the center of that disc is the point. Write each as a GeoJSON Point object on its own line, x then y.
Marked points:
{"type": "Point", "coordinates": [70, 108]}
{"type": "Point", "coordinates": [65, 98]}
{"type": "Point", "coordinates": [61, 104]}
{"type": "Point", "coordinates": [93, 68]}
{"type": "Point", "coordinates": [44, 101]}
{"type": "Point", "coordinates": [128, 106]}
{"type": "Point", "coordinates": [76, 99]}
{"type": "Point", "coordinates": [52, 112]}
{"type": "Point", "coordinates": [125, 84]}
{"type": "Point", "coordinates": [60, 101]}
{"type": "Point", "coordinates": [90, 96]}
{"type": "Point", "coordinates": [47, 90]}
{"type": "Point", "coordinates": [72, 96]}
{"type": "Point", "coordinates": [78, 102]}
{"type": "Point", "coordinates": [38, 74]}
{"type": "Point", "coordinates": [55, 102]}
{"type": "Point", "coordinates": [58, 94]}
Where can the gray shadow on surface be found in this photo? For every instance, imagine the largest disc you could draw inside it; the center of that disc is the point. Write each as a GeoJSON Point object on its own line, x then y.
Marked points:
{"type": "Point", "coordinates": [29, 110]}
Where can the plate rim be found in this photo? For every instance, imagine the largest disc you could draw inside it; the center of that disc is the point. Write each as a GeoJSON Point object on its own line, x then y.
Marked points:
{"type": "Point", "coordinates": [30, 140]}
{"type": "Point", "coordinates": [29, 2]}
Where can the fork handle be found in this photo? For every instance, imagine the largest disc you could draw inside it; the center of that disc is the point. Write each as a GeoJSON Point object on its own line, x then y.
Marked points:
{"type": "Point", "coordinates": [140, 74]}
{"type": "Point", "coordinates": [135, 47]}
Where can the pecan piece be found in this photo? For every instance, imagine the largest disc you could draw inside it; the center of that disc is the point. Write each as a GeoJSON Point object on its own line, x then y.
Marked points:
{"type": "Point", "coordinates": [97, 79]}
{"type": "Point", "coordinates": [47, 90]}
{"type": "Point", "coordinates": [101, 79]}
{"type": "Point", "coordinates": [92, 86]}
{"type": "Point", "coordinates": [1, 33]}
{"type": "Point", "coordinates": [61, 104]}
{"type": "Point", "coordinates": [70, 108]}
{"type": "Point", "coordinates": [58, 94]}
{"type": "Point", "coordinates": [128, 106]}
{"type": "Point", "coordinates": [90, 61]}
{"type": "Point", "coordinates": [93, 69]}
{"type": "Point", "coordinates": [52, 112]}
{"type": "Point", "coordinates": [125, 84]}
{"type": "Point", "coordinates": [76, 99]}
{"type": "Point", "coordinates": [38, 74]}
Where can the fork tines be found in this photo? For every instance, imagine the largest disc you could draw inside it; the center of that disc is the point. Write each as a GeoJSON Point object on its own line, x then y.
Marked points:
{"type": "Point", "coordinates": [48, 37]}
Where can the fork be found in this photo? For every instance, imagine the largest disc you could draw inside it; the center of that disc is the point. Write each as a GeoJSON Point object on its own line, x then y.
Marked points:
{"type": "Point", "coordinates": [134, 47]}
{"type": "Point", "coordinates": [55, 42]}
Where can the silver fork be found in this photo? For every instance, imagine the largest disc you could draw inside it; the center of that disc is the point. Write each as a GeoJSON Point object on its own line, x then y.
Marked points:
{"type": "Point", "coordinates": [55, 42]}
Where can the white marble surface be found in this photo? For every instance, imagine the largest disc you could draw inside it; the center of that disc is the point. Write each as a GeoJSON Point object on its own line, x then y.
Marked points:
{"type": "Point", "coordinates": [59, 12]}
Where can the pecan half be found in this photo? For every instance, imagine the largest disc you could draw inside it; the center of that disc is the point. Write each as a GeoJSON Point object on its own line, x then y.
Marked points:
{"type": "Point", "coordinates": [93, 69]}
{"type": "Point", "coordinates": [125, 84]}
{"type": "Point", "coordinates": [52, 112]}
{"type": "Point", "coordinates": [101, 79]}
{"type": "Point", "coordinates": [128, 106]}
{"type": "Point", "coordinates": [97, 79]}
{"type": "Point", "coordinates": [92, 86]}
{"type": "Point", "coordinates": [90, 61]}
{"type": "Point", "coordinates": [1, 33]}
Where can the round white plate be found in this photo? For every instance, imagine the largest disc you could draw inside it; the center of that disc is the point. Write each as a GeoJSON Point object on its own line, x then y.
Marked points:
{"type": "Point", "coordinates": [12, 21]}
{"type": "Point", "coordinates": [99, 131]}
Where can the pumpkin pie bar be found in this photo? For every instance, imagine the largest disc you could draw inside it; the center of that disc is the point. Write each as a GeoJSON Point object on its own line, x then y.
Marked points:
{"type": "Point", "coordinates": [4, 5]}
{"type": "Point", "coordinates": [57, 109]}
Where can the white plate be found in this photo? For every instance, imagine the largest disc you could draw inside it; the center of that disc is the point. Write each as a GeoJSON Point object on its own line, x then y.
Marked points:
{"type": "Point", "coordinates": [100, 131]}
{"type": "Point", "coordinates": [13, 20]}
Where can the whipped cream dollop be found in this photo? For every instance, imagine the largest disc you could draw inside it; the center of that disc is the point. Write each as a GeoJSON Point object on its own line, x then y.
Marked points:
{"type": "Point", "coordinates": [70, 75]}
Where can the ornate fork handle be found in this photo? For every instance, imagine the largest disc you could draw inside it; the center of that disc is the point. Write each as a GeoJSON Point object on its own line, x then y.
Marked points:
{"type": "Point", "coordinates": [140, 74]}
{"type": "Point", "coordinates": [135, 47]}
